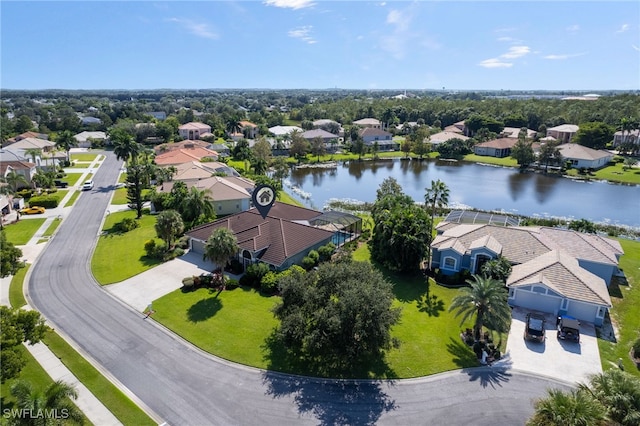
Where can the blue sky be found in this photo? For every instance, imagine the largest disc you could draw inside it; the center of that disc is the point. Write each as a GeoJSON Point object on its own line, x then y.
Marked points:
{"type": "Point", "coordinates": [280, 44]}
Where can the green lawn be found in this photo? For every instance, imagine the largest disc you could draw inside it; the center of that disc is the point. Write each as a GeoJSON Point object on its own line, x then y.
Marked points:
{"type": "Point", "coordinates": [625, 312]}
{"type": "Point", "coordinates": [120, 196]}
{"type": "Point", "coordinates": [51, 229]}
{"type": "Point", "coordinates": [19, 233]}
{"type": "Point", "coordinates": [71, 178]}
{"type": "Point", "coordinates": [612, 173]}
{"type": "Point", "coordinates": [72, 199]}
{"type": "Point", "coordinates": [83, 157]}
{"type": "Point", "coordinates": [16, 296]}
{"type": "Point", "coordinates": [124, 250]}
{"type": "Point", "coordinates": [288, 199]}
{"type": "Point", "coordinates": [236, 325]}
{"type": "Point", "coordinates": [506, 162]}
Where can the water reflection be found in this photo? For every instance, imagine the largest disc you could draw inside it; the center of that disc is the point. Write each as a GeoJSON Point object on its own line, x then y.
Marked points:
{"type": "Point", "coordinates": [482, 187]}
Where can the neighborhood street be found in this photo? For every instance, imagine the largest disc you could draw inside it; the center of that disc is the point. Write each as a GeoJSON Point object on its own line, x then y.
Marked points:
{"type": "Point", "coordinates": [181, 385]}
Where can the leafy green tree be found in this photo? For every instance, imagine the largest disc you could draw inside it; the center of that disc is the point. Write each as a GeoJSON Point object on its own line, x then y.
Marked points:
{"type": "Point", "coordinates": [575, 408]}
{"type": "Point", "coordinates": [299, 147]}
{"type": "Point", "coordinates": [261, 156]}
{"type": "Point", "coordinates": [241, 150]}
{"type": "Point", "coordinates": [522, 152]}
{"type": "Point", "coordinates": [405, 147]}
{"type": "Point", "coordinates": [221, 246]}
{"type": "Point", "coordinates": [337, 316]}
{"type": "Point", "coordinates": [358, 147]}
{"type": "Point", "coordinates": [453, 148]}
{"type": "Point", "coordinates": [594, 135]}
{"type": "Point", "coordinates": [65, 141]}
{"type": "Point", "coordinates": [23, 124]}
{"type": "Point", "coordinates": [435, 199]}
{"type": "Point", "coordinates": [17, 326]}
{"type": "Point", "coordinates": [486, 300]}
{"type": "Point", "coordinates": [583, 225]}
{"type": "Point", "coordinates": [280, 169]}
{"type": "Point", "coordinates": [9, 256]}
{"type": "Point", "coordinates": [169, 226]}
{"type": "Point", "coordinates": [197, 207]}
{"type": "Point", "coordinates": [549, 152]}
{"type": "Point", "coordinates": [629, 163]}
{"type": "Point", "coordinates": [56, 398]}
{"type": "Point", "coordinates": [388, 187]}
{"type": "Point", "coordinates": [318, 148]}
{"type": "Point", "coordinates": [619, 393]}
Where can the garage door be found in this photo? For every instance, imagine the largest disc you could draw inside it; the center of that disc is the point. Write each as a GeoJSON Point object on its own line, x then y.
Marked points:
{"type": "Point", "coordinates": [537, 301]}
{"type": "Point", "coordinates": [198, 246]}
{"type": "Point", "coordinates": [582, 311]}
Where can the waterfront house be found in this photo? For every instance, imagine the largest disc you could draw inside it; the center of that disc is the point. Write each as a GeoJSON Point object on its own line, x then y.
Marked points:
{"type": "Point", "coordinates": [584, 157]}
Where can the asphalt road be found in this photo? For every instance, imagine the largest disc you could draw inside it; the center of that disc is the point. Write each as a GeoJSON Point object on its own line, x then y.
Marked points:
{"type": "Point", "coordinates": [184, 386]}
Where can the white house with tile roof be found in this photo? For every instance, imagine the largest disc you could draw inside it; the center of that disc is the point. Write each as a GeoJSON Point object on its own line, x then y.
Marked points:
{"type": "Point", "coordinates": [584, 157]}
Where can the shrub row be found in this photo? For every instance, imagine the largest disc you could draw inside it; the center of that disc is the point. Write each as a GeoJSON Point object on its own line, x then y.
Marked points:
{"type": "Point", "coordinates": [49, 201]}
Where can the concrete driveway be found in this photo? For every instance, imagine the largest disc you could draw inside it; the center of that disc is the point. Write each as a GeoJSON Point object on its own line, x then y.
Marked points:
{"type": "Point", "coordinates": [560, 360]}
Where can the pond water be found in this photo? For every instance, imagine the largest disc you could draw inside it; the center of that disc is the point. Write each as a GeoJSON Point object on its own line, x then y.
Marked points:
{"type": "Point", "coordinates": [472, 185]}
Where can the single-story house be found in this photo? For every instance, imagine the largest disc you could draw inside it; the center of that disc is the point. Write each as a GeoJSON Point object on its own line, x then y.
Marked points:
{"type": "Point", "coordinates": [19, 149]}
{"type": "Point", "coordinates": [193, 130]}
{"type": "Point", "coordinates": [368, 122]}
{"type": "Point", "coordinates": [620, 137]}
{"type": "Point", "coordinates": [564, 133]}
{"type": "Point", "coordinates": [384, 139]}
{"type": "Point", "coordinates": [84, 138]}
{"type": "Point", "coordinates": [584, 157]}
{"type": "Point", "coordinates": [284, 130]}
{"type": "Point", "coordinates": [184, 155]}
{"type": "Point", "coordinates": [444, 136]}
{"type": "Point", "coordinates": [159, 149]}
{"type": "Point", "coordinates": [514, 132]}
{"type": "Point", "coordinates": [26, 135]}
{"type": "Point", "coordinates": [499, 148]}
{"type": "Point", "coordinates": [195, 170]}
{"type": "Point", "coordinates": [279, 240]}
{"type": "Point", "coordinates": [329, 139]}
{"type": "Point", "coordinates": [573, 282]}
{"type": "Point", "coordinates": [87, 120]}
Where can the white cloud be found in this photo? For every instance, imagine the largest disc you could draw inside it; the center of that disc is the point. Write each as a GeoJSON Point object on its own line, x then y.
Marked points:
{"type": "Point", "coordinates": [399, 19]}
{"type": "Point", "coordinates": [635, 47]}
{"type": "Point", "coordinates": [564, 56]}
{"type": "Point", "coordinates": [196, 28]}
{"type": "Point", "coordinates": [516, 52]}
{"type": "Point", "coordinates": [290, 4]}
{"type": "Point", "coordinates": [303, 33]}
{"type": "Point", "coordinates": [495, 63]}
{"type": "Point", "coordinates": [573, 28]}
{"type": "Point", "coordinates": [623, 28]}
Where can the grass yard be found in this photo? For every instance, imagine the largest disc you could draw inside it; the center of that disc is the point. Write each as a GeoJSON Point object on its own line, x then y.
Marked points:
{"type": "Point", "coordinates": [611, 173]}
{"type": "Point", "coordinates": [83, 157]}
{"type": "Point", "coordinates": [19, 233]}
{"type": "Point", "coordinates": [71, 178]}
{"type": "Point", "coordinates": [236, 325]}
{"type": "Point", "coordinates": [50, 230]}
{"type": "Point", "coordinates": [120, 196]}
{"type": "Point", "coordinates": [288, 199]}
{"type": "Point", "coordinates": [72, 199]}
{"type": "Point", "coordinates": [121, 256]}
{"type": "Point", "coordinates": [117, 402]}
{"type": "Point", "coordinates": [625, 312]}
{"type": "Point", "coordinates": [16, 296]}
{"type": "Point", "coordinates": [505, 162]}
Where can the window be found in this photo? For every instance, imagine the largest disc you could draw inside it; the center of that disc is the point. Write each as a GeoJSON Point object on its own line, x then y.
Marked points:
{"type": "Point", "coordinates": [449, 263]}
{"type": "Point", "coordinates": [565, 302]}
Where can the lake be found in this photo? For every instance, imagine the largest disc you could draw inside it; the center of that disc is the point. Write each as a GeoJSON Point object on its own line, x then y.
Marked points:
{"type": "Point", "coordinates": [473, 185]}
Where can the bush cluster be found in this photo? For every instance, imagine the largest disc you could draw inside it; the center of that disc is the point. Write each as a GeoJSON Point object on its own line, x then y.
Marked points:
{"type": "Point", "coordinates": [49, 201]}
{"type": "Point", "coordinates": [458, 279]}
{"type": "Point", "coordinates": [125, 225]}
{"type": "Point", "coordinates": [159, 251]}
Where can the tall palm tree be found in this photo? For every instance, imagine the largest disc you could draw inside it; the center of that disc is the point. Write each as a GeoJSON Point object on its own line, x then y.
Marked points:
{"type": "Point", "coordinates": [169, 226]}
{"type": "Point", "coordinates": [619, 392]}
{"type": "Point", "coordinates": [233, 125]}
{"type": "Point", "coordinates": [486, 299]}
{"type": "Point", "coordinates": [33, 153]}
{"type": "Point", "coordinates": [65, 141]}
{"type": "Point", "coordinates": [55, 400]}
{"type": "Point", "coordinates": [220, 246]}
{"type": "Point", "coordinates": [575, 408]}
{"type": "Point", "coordinates": [124, 146]}
{"type": "Point", "coordinates": [435, 197]}
{"type": "Point", "coordinates": [197, 207]}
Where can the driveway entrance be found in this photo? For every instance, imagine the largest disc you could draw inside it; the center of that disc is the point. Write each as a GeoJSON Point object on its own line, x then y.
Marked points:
{"type": "Point", "coordinates": [566, 361]}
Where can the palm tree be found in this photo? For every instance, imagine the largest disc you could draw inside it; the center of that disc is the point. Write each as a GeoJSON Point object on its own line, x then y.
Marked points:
{"type": "Point", "coordinates": [435, 197]}
{"type": "Point", "coordinates": [55, 399]}
{"type": "Point", "coordinates": [233, 125]}
{"type": "Point", "coordinates": [14, 179]}
{"type": "Point", "coordinates": [498, 269]}
{"type": "Point", "coordinates": [486, 299]}
{"type": "Point", "coordinates": [66, 141]}
{"type": "Point", "coordinates": [197, 207]}
{"type": "Point", "coordinates": [220, 246]}
{"type": "Point", "coordinates": [575, 408]}
{"type": "Point", "coordinates": [626, 125]}
{"type": "Point", "coordinates": [124, 146]}
{"type": "Point", "coordinates": [33, 152]}
{"type": "Point", "coordinates": [619, 393]}
{"type": "Point", "coordinates": [168, 226]}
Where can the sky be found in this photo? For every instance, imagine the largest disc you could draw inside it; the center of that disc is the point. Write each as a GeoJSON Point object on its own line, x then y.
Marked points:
{"type": "Point", "coordinates": [315, 44]}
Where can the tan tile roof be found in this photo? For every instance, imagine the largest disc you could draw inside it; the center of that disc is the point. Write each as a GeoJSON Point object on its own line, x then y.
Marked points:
{"type": "Point", "coordinates": [489, 242]}
{"type": "Point", "coordinates": [15, 165]}
{"type": "Point", "coordinates": [445, 136]}
{"type": "Point", "coordinates": [280, 238]}
{"type": "Point", "coordinates": [184, 155]}
{"type": "Point", "coordinates": [367, 122]}
{"type": "Point", "coordinates": [195, 125]}
{"type": "Point", "coordinates": [221, 189]}
{"type": "Point", "coordinates": [561, 272]}
{"type": "Point", "coordinates": [31, 143]}
{"type": "Point", "coordinates": [585, 246]}
{"type": "Point", "coordinates": [178, 145]}
{"type": "Point", "coordinates": [247, 124]}
{"type": "Point", "coordinates": [501, 143]}
{"type": "Point", "coordinates": [573, 150]}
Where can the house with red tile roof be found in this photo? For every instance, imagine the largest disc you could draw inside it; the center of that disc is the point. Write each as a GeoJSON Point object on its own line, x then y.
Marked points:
{"type": "Point", "coordinates": [184, 155]}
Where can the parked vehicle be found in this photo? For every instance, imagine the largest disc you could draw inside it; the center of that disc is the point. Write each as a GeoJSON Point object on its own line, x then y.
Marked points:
{"type": "Point", "coordinates": [534, 327]}
{"type": "Point", "coordinates": [569, 329]}
{"type": "Point", "coordinates": [33, 210]}
{"type": "Point", "coordinates": [88, 185]}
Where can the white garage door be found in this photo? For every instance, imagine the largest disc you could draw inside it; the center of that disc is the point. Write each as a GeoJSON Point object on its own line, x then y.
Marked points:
{"type": "Point", "coordinates": [198, 246]}
{"type": "Point", "coordinates": [537, 301]}
{"type": "Point", "coordinates": [582, 311]}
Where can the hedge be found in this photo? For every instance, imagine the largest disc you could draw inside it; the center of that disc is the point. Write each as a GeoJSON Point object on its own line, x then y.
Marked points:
{"type": "Point", "coordinates": [48, 201]}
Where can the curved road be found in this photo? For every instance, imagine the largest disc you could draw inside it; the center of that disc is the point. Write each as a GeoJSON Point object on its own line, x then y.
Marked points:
{"type": "Point", "coordinates": [184, 386]}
